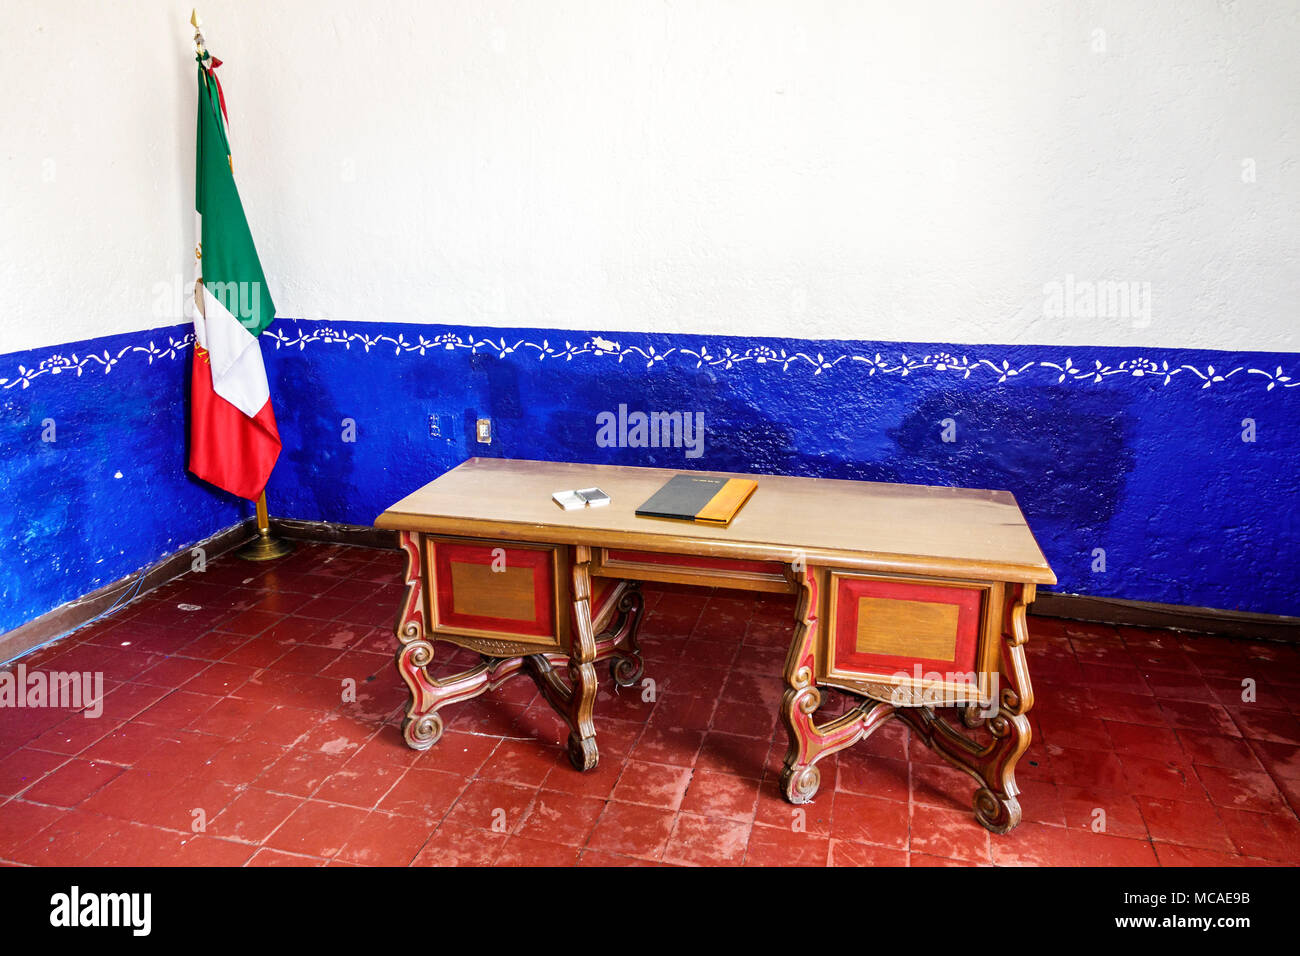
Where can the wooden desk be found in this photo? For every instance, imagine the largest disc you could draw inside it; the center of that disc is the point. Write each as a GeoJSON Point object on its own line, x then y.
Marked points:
{"type": "Point", "coordinates": [911, 598]}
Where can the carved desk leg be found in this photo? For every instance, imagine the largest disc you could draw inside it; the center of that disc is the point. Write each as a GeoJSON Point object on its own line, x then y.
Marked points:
{"type": "Point", "coordinates": [423, 726]}
{"type": "Point", "coordinates": [809, 741]}
{"type": "Point", "coordinates": [993, 764]}
{"type": "Point", "coordinates": [627, 666]}
{"type": "Point", "coordinates": [576, 701]}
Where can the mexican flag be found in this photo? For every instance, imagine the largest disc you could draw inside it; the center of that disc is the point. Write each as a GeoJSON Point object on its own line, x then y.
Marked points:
{"type": "Point", "coordinates": [233, 439]}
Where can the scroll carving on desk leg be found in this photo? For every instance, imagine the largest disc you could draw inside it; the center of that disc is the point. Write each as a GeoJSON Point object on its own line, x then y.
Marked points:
{"type": "Point", "coordinates": [992, 764]}
{"type": "Point", "coordinates": [582, 667]}
{"type": "Point", "coordinates": [410, 616]}
{"type": "Point", "coordinates": [626, 667]}
{"type": "Point", "coordinates": [810, 742]}
{"type": "Point", "coordinates": [422, 726]}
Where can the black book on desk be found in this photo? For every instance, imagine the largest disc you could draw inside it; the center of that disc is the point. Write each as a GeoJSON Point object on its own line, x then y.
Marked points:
{"type": "Point", "coordinates": [699, 498]}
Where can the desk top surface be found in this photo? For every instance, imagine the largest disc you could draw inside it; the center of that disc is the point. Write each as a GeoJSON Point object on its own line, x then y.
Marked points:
{"type": "Point", "coordinates": [865, 525]}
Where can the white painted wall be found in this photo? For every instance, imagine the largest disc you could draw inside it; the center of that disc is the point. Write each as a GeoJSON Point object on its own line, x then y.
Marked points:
{"type": "Point", "coordinates": [844, 168]}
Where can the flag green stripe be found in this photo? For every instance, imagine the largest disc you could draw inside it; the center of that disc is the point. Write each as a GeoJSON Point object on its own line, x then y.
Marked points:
{"type": "Point", "coordinates": [230, 267]}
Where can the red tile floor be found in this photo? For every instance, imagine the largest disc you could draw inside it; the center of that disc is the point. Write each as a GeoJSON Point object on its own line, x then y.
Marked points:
{"type": "Point", "coordinates": [225, 739]}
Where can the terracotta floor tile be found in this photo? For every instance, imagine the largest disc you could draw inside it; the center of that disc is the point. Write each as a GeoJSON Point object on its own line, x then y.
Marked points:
{"type": "Point", "coordinates": [941, 785]}
{"type": "Point", "coordinates": [733, 754]}
{"type": "Point", "coordinates": [523, 763]}
{"type": "Point", "coordinates": [632, 830]}
{"type": "Point", "coordinates": [721, 795]}
{"type": "Point", "coordinates": [562, 818]}
{"type": "Point", "coordinates": [1171, 779]}
{"type": "Point", "coordinates": [1258, 724]}
{"type": "Point", "coordinates": [1105, 849]}
{"type": "Point", "coordinates": [23, 768]}
{"type": "Point", "coordinates": [74, 735]}
{"type": "Point", "coordinates": [1281, 760]}
{"type": "Point", "coordinates": [1171, 854]}
{"type": "Point", "coordinates": [1087, 768]}
{"type": "Point", "coordinates": [316, 829]}
{"type": "Point", "coordinates": [459, 753]}
{"type": "Point", "coordinates": [1198, 717]}
{"type": "Point", "coordinates": [242, 762]}
{"type": "Point", "coordinates": [67, 841]}
{"type": "Point", "coordinates": [1102, 811]}
{"type": "Point", "coordinates": [71, 783]}
{"type": "Point", "coordinates": [775, 811]}
{"type": "Point", "coordinates": [1142, 740]}
{"type": "Point", "coordinates": [138, 844]}
{"type": "Point", "coordinates": [774, 846]}
{"type": "Point", "coordinates": [600, 858]}
{"type": "Point", "coordinates": [1270, 836]}
{"type": "Point", "coordinates": [1187, 824]}
{"type": "Point", "coordinates": [652, 784]}
{"type": "Point", "coordinates": [870, 775]}
{"type": "Point", "coordinates": [424, 794]}
{"type": "Point", "coordinates": [203, 850]}
{"type": "Point", "coordinates": [385, 839]}
{"type": "Point", "coordinates": [706, 841]}
{"type": "Point", "coordinates": [21, 821]}
{"type": "Point", "coordinates": [671, 746]}
{"type": "Point", "coordinates": [134, 795]}
{"type": "Point", "coordinates": [1032, 844]}
{"type": "Point", "coordinates": [1129, 708]}
{"type": "Point", "coordinates": [253, 815]}
{"type": "Point", "coordinates": [268, 857]}
{"type": "Point", "coordinates": [1213, 750]}
{"type": "Point", "coordinates": [952, 834]}
{"type": "Point", "coordinates": [523, 851]}
{"type": "Point", "coordinates": [745, 718]}
{"type": "Point", "coordinates": [925, 859]}
{"type": "Point", "coordinates": [1242, 789]}
{"type": "Point", "coordinates": [599, 782]}
{"type": "Point", "coordinates": [300, 773]}
{"type": "Point", "coordinates": [492, 805]}
{"type": "Point", "coordinates": [859, 819]}
{"type": "Point", "coordinates": [846, 853]}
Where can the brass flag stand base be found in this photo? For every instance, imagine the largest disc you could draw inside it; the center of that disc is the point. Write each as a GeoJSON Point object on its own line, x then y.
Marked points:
{"type": "Point", "coordinates": [264, 547]}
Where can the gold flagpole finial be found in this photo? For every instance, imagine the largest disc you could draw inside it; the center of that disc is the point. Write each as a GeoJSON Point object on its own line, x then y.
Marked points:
{"type": "Point", "coordinates": [198, 33]}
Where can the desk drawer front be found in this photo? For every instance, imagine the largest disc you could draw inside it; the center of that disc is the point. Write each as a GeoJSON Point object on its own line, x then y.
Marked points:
{"type": "Point", "coordinates": [916, 633]}
{"type": "Point", "coordinates": [494, 589]}
{"type": "Point", "coordinates": [692, 569]}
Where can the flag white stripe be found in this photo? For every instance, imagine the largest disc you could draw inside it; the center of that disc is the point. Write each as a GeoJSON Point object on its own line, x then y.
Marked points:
{"type": "Point", "coordinates": [238, 374]}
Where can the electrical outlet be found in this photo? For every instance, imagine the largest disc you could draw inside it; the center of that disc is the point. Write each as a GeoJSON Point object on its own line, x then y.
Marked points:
{"type": "Point", "coordinates": [434, 430]}
{"type": "Point", "coordinates": [483, 431]}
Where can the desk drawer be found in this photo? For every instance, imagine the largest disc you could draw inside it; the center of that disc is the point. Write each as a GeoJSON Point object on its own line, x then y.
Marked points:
{"type": "Point", "coordinates": [912, 634]}
{"type": "Point", "coordinates": [692, 569]}
{"type": "Point", "coordinates": [498, 590]}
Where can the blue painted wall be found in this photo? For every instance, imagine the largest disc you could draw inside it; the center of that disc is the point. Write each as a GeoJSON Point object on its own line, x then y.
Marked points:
{"type": "Point", "coordinates": [110, 494]}
{"type": "Point", "coordinates": [1135, 451]}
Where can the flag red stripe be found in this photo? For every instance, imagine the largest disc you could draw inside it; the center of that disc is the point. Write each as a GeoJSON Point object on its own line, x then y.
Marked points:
{"type": "Point", "coordinates": [227, 448]}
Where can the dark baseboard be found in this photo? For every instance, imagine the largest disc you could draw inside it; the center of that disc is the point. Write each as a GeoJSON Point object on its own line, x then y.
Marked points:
{"type": "Point", "coordinates": [1078, 607]}
{"type": "Point", "coordinates": [1201, 620]}
{"type": "Point", "coordinates": [68, 617]}
{"type": "Point", "coordinates": [332, 533]}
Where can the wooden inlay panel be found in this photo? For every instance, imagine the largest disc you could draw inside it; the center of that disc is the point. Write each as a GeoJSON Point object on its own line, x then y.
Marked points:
{"type": "Point", "coordinates": [479, 591]}
{"type": "Point", "coordinates": [907, 628]}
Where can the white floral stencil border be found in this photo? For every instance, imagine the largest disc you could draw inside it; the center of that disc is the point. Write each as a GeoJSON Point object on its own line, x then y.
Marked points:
{"type": "Point", "coordinates": [948, 363]}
